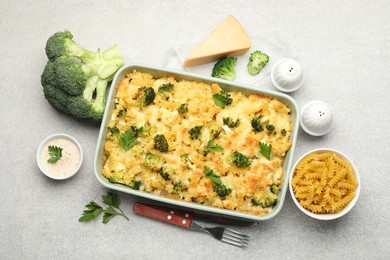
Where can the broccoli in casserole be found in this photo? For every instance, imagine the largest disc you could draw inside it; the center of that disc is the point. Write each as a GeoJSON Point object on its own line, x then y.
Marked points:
{"type": "Point", "coordinates": [223, 98]}
{"type": "Point", "coordinates": [135, 184]}
{"type": "Point", "coordinates": [240, 160]}
{"type": "Point", "coordinates": [183, 109]}
{"type": "Point", "coordinates": [275, 188]}
{"type": "Point", "coordinates": [160, 143]}
{"type": "Point", "coordinates": [146, 95]}
{"type": "Point", "coordinates": [267, 200]}
{"type": "Point", "coordinates": [195, 132]}
{"type": "Point", "coordinates": [165, 88]}
{"type": "Point", "coordinates": [230, 122]}
{"type": "Point", "coordinates": [153, 161]}
{"type": "Point", "coordinates": [256, 124]}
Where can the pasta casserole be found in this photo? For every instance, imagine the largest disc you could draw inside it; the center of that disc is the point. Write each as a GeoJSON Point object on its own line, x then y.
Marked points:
{"type": "Point", "coordinates": [194, 141]}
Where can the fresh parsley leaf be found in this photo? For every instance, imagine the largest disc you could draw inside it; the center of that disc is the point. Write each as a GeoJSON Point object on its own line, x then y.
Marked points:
{"type": "Point", "coordinates": [128, 140]}
{"type": "Point", "coordinates": [93, 210]}
{"type": "Point", "coordinates": [109, 213]}
{"type": "Point", "coordinates": [265, 150]}
{"type": "Point", "coordinates": [111, 199]}
{"type": "Point", "coordinates": [55, 153]}
{"type": "Point", "coordinates": [212, 148]}
{"type": "Point", "coordinates": [210, 174]}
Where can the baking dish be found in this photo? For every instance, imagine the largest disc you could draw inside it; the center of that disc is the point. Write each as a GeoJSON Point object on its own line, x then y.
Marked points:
{"type": "Point", "coordinates": [227, 85]}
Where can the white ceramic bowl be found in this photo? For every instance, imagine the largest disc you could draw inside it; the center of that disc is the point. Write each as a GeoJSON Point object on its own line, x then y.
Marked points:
{"type": "Point", "coordinates": [75, 158]}
{"type": "Point", "coordinates": [287, 75]}
{"type": "Point", "coordinates": [332, 215]}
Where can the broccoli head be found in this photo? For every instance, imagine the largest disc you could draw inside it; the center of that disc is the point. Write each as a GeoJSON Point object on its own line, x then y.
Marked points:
{"type": "Point", "coordinates": [256, 124]}
{"type": "Point", "coordinates": [160, 143]}
{"type": "Point", "coordinates": [135, 184]}
{"type": "Point", "coordinates": [275, 188]}
{"type": "Point", "coordinates": [240, 160]}
{"type": "Point", "coordinates": [195, 132]}
{"type": "Point", "coordinates": [146, 95]}
{"type": "Point", "coordinates": [222, 98]}
{"type": "Point", "coordinates": [267, 200]}
{"type": "Point", "coordinates": [257, 61]}
{"type": "Point", "coordinates": [230, 122]}
{"type": "Point", "coordinates": [75, 80]}
{"type": "Point", "coordinates": [222, 190]}
{"type": "Point", "coordinates": [153, 161]}
{"type": "Point", "coordinates": [225, 68]}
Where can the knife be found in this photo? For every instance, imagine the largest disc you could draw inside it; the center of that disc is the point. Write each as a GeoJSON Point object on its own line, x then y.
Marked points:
{"type": "Point", "coordinates": [184, 218]}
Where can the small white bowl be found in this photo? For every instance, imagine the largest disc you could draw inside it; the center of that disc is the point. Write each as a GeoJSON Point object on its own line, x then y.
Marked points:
{"type": "Point", "coordinates": [330, 216]}
{"type": "Point", "coordinates": [316, 118]}
{"type": "Point", "coordinates": [287, 75]}
{"type": "Point", "coordinates": [54, 171]}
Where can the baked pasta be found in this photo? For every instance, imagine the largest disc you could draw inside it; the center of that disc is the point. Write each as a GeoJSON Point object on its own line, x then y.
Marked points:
{"type": "Point", "coordinates": [196, 142]}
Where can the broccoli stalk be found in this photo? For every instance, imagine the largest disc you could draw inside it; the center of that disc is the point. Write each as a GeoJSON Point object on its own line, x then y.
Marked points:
{"type": "Point", "coordinates": [225, 68]}
{"type": "Point", "coordinates": [75, 80]}
{"type": "Point", "coordinates": [257, 61]}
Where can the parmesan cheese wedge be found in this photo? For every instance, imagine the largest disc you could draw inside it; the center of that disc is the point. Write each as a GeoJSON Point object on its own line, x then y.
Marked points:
{"type": "Point", "coordinates": [229, 38]}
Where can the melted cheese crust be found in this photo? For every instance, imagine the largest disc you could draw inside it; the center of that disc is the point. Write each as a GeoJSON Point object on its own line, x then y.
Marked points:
{"type": "Point", "coordinates": [185, 159]}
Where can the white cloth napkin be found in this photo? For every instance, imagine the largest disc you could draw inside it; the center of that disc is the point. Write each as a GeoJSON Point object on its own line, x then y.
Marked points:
{"type": "Point", "coordinates": [270, 43]}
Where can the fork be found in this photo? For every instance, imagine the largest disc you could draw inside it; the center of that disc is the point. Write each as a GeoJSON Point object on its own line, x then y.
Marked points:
{"type": "Point", "coordinates": [185, 219]}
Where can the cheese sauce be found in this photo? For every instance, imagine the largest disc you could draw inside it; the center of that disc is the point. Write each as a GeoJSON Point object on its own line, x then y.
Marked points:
{"type": "Point", "coordinates": [69, 161]}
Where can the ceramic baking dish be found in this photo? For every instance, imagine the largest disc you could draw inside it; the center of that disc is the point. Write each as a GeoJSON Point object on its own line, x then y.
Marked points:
{"type": "Point", "coordinates": [227, 85]}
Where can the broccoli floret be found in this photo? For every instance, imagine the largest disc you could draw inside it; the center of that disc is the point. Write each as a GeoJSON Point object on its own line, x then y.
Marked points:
{"type": "Point", "coordinates": [230, 122]}
{"type": "Point", "coordinates": [195, 132]}
{"type": "Point", "coordinates": [225, 68]}
{"type": "Point", "coordinates": [121, 112]}
{"type": "Point", "coordinates": [177, 186]}
{"type": "Point", "coordinates": [283, 132]}
{"type": "Point", "coordinates": [222, 98]}
{"type": "Point", "coordinates": [160, 143]}
{"type": "Point", "coordinates": [134, 184]}
{"type": "Point", "coordinates": [165, 88]}
{"type": "Point", "coordinates": [75, 80]}
{"type": "Point", "coordinates": [267, 200]}
{"type": "Point", "coordinates": [153, 161]}
{"type": "Point", "coordinates": [270, 128]}
{"type": "Point", "coordinates": [165, 173]}
{"type": "Point", "coordinates": [222, 190]}
{"type": "Point", "coordinates": [114, 131]}
{"type": "Point", "coordinates": [146, 95]}
{"type": "Point", "coordinates": [257, 61]}
{"type": "Point", "coordinates": [275, 188]}
{"type": "Point", "coordinates": [256, 124]}
{"type": "Point", "coordinates": [240, 160]}
{"type": "Point", "coordinates": [138, 131]}
{"type": "Point", "coordinates": [183, 109]}
{"type": "Point", "coordinates": [116, 177]}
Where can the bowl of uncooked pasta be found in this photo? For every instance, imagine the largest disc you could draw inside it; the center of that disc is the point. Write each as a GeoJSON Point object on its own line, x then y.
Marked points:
{"type": "Point", "coordinates": [324, 184]}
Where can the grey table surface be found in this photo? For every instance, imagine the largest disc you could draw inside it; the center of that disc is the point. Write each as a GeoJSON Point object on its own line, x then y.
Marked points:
{"type": "Point", "coordinates": [345, 46]}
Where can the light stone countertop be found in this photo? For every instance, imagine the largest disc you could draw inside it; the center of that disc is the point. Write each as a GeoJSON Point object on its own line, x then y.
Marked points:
{"type": "Point", "coordinates": [345, 49]}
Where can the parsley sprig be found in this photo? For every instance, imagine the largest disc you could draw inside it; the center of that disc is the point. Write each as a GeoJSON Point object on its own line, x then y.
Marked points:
{"type": "Point", "coordinates": [265, 150]}
{"type": "Point", "coordinates": [210, 147]}
{"type": "Point", "coordinates": [55, 153]}
{"type": "Point", "coordinates": [128, 139]}
{"type": "Point", "coordinates": [210, 174]}
{"type": "Point", "coordinates": [93, 209]}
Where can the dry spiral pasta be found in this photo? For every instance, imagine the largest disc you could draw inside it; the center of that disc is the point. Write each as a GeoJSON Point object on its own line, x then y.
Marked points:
{"type": "Point", "coordinates": [323, 182]}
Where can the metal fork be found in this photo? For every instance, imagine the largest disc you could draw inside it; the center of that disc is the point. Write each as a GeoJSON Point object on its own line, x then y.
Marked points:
{"type": "Point", "coordinates": [185, 219]}
{"type": "Point", "coordinates": [226, 235]}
